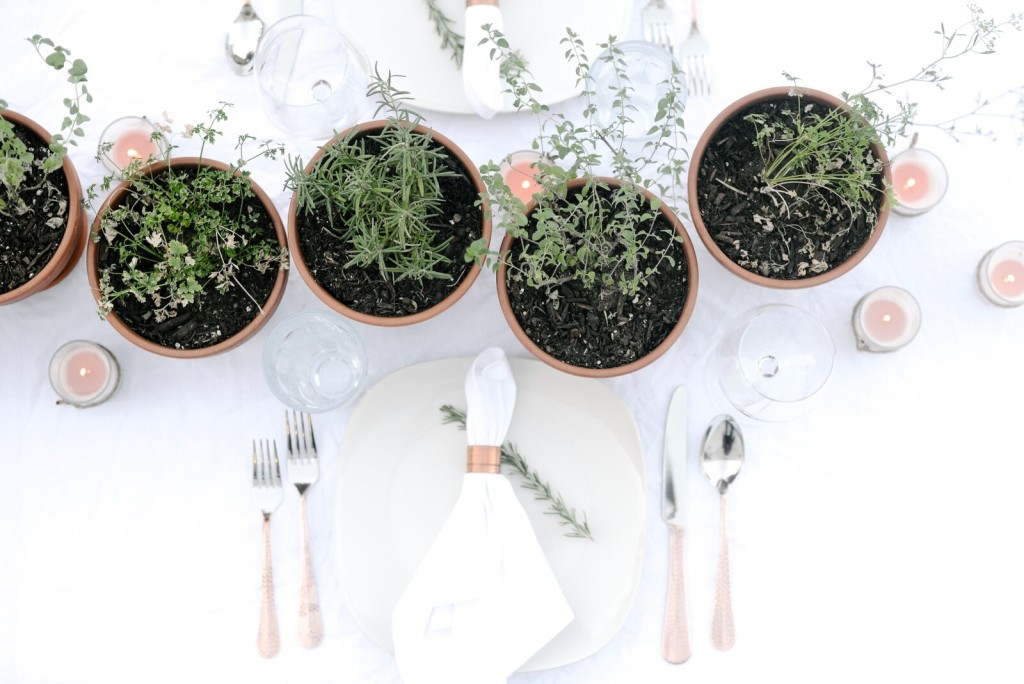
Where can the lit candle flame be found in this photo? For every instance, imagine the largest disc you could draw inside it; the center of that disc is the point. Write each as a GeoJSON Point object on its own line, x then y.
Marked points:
{"type": "Point", "coordinates": [910, 183]}
{"type": "Point", "coordinates": [526, 184]}
{"type": "Point", "coordinates": [133, 153]}
{"type": "Point", "coordinates": [83, 371]}
{"type": "Point", "coordinates": [1010, 278]}
{"type": "Point", "coordinates": [887, 318]}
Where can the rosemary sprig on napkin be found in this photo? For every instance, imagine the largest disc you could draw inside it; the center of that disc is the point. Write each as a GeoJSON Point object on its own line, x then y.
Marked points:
{"type": "Point", "coordinates": [511, 457]}
{"type": "Point", "coordinates": [450, 40]}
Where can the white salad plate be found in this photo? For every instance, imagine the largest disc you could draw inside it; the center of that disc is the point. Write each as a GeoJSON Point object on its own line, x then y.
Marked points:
{"type": "Point", "coordinates": [401, 470]}
{"type": "Point", "coordinates": [399, 37]}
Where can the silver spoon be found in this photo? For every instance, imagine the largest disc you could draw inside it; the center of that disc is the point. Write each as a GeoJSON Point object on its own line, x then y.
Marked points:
{"type": "Point", "coordinates": [721, 460]}
{"type": "Point", "coordinates": [242, 39]}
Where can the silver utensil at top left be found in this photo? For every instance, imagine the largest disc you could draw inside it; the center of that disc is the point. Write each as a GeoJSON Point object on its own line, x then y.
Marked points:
{"type": "Point", "coordinates": [242, 38]}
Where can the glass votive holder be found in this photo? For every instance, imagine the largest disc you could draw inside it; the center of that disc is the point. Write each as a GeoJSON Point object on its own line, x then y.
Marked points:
{"type": "Point", "coordinates": [919, 180]}
{"type": "Point", "coordinates": [886, 319]}
{"type": "Point", "coordinates": [648, 68]}
{"type": "Point", "coordinates": [84, 374]}
{"type": "Point", "coordinates": [129, 138]}
{"type": "Point", "coordinates": [1001, 274]}
{"type": "Point", "coordinates": [519, 171]}
{"type": "Point", "coordinates": [312, 78]}
{"type": "Point", "coordinates": [314, 361]}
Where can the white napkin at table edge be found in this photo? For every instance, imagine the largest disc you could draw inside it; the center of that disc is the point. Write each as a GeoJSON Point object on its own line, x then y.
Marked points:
{"type": "Point", "coordinates": [484, 598]}
{"type": "Point", "coordinates": [481, 75]}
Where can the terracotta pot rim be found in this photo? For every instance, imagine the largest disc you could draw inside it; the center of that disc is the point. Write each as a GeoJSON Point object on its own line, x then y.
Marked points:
{"type": "Point", "coordinates": [71, 246]}
{"type": "Point", "coordinates": [299, 263]}
{"type": "Point", "coordinates": [261, 318]}
{"type": "Point", "coordinates": [632, 366]}
{"type": "Point", "coordinates": [716, 124]}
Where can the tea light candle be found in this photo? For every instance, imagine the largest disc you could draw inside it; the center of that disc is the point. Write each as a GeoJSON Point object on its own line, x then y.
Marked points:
{"type": "Point", "coordinates": [886, 319]}
{"type": "Point", "coordinates": [919, 180]}
{"type": "Point", "coordinates": [1001, 274]}
{"type": "Point", "coordinates": [84, 374]}
{"type": "Point", "coordinates": [519, 171]}
{"type": "Point", "coordinates": [130, 138]}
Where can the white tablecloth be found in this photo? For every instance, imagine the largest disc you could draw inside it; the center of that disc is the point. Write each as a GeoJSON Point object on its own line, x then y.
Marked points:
{"type": "Point", "coordinates": [876, 538]}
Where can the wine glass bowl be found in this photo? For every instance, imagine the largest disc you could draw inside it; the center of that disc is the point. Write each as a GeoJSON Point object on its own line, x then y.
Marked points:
{"type": "Point", "coordinates": [774, 361]}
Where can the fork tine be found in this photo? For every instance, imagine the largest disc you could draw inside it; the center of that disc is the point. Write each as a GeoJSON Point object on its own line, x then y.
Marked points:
{"type": "Point", "coordinates": [255, 479]}
{"type": "Point", "coordinates": [277, 463]}
{"type": "Point", "coordinates": [312, 437]}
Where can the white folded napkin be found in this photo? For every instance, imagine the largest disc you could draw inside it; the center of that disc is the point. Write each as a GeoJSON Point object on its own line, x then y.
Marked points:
{"type": "Point", "coordinates": [484, 598]}
{"type": "Point", "coordinates": [481, 75]}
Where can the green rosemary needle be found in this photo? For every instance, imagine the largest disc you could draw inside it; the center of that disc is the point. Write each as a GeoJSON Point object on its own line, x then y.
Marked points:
{"type": "Point", "coordinates": [542, 491]}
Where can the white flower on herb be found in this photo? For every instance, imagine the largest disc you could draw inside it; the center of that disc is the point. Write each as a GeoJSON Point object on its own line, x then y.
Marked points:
{"type": "Point", "coordinates": [154, 239]}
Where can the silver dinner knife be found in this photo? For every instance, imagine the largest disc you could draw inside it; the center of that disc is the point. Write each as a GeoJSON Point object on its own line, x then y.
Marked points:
{"type": "Point", "coordinates": [676, 633]}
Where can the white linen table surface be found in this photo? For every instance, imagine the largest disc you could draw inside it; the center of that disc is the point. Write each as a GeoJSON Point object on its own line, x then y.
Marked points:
{"type": "Point", "coordinates": [877, 539]}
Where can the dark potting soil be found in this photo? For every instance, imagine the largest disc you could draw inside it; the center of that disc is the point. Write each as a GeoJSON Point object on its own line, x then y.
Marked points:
{"type": "Point", "coordinates": [599, 327]}
{"type": "Point", "coordinates": [214, 316]}
{"type": "Point", "coordinates": [363, 289]}
{"type": "Point", "coordinates": [29, 239]}
{"type": "Point", "coordinates": [736, 212]}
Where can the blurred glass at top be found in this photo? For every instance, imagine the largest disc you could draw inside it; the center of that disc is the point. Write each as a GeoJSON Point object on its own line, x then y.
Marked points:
{"type": "Point", "coordinates": [312, 78]}
{"type": "Point", "coordinates": [645, 69]}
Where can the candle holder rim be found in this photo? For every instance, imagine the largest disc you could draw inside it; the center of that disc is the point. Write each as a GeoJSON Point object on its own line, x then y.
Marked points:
{"type": "Point", "coordinates": [109, 389]}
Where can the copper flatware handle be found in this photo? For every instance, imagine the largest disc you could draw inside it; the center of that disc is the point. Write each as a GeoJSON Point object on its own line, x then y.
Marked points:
{"type": "Point", "coordinates": [723, 632]}
{"type": "Point", "coordinates": [311, 627]}
{"type": "Point", "coordinates": [268, 641]}
{"type": "Point", "coordinates": [676, 633]}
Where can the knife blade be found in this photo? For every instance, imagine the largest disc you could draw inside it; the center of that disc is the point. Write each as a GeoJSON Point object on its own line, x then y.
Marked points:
{"type": "Point", "coordinates": [676, 633]}
{"type": "Point", "coordinates": [481, 75]}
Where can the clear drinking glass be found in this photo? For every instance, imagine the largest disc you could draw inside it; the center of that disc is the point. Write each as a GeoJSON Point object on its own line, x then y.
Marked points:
{"type": "Point", "coordinates": [648, 68]}
{"type": "Point", "coordinates": [311, 76]}
{"type": "Point", "coordinates": [314, 361]}
{"type": "Point", "coordinates": [774, 362]}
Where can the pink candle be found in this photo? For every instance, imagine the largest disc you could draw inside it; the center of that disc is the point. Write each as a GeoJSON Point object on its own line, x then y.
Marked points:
{"type": "Point", "coordinates": [886, 319]}
{"type": "Point", "coordinates": [84, 373]}
{"type": "Point", "coordinates": [520, 172]}
{"type": "Point", "coordinates": [130, 138]}
{"type": "Point", "coordinates": [1001, 274]}
{"type": "Point", "coordinates": [919, 181]}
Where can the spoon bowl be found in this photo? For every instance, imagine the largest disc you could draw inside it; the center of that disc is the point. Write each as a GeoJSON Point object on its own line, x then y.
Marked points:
{"type": "Point", "coordinates": [243, 38]}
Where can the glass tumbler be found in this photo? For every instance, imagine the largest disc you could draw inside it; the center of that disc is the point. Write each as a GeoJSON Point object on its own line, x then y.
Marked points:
{"type": "Point", "coordinates": [774, 362]}
{"type": "Point", "coordinates": [312, 77]}
{"type": "Point", "coordinates": [648, 68]}
{"type": "Point", "coordinates": [314, 361]}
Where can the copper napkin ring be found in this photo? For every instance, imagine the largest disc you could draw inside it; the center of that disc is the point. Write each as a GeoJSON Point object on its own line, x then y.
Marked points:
{"type": "Point", "coordinates": [483, 459]}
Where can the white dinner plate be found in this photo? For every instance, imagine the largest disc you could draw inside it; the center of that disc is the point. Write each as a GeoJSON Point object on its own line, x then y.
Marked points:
{"type": "Point", "coordinates": [401, 471]}
{"type": "Point", "coordinates": [399, 36]}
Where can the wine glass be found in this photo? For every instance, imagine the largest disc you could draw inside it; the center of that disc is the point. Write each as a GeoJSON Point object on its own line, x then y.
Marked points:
{"type": "Point", "coordinates": [774, 362]}
{"type": "Point", "coordinates": [312, 77]}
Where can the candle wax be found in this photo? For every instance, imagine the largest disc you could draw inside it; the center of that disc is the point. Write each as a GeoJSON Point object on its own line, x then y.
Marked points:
{"type": "Point", "coordinates": [520, 178]}
{"type": "Point", "coordinates": [85, 373]}
{"type": "Point", "coordinates": [910, 182]}
{"type": "Point", "coordinates": [131, 145]}
{"type": "Point", "coordinates": [885, 320]}
{"type": "Point", "coordinates": [1007, 278]}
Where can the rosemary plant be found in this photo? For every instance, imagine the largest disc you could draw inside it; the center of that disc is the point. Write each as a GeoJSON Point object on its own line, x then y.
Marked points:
{"type": "Point", "coordinates": [180, 232]}
{"type": "Point", "coordinates": [511, 458]}
{"type": "Point", "coordinates": [382, 193]}
{"type": "Point", "coordinates": [15, 157]}
{"type": "Point", "coordinates": [604, 236]}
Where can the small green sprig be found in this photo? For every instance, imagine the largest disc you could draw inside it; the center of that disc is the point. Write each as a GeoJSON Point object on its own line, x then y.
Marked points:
{"type": "Point", "coordinates": [450, 38]}
{"type": "Point", "coordinates": [382, 193]}
{"type": "Point", "coordinates": [15, 158]}
{"type": "Point", "coordinates": [180, 232]}
{"type": "Point", "coordinates": [598, 236]}
{"type": "Point", "coordinates": [532, 481]}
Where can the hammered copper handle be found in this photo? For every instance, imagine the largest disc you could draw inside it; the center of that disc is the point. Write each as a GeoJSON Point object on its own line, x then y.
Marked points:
{"type": "Point", "coordinates": [311, 627]}
{"type": "Point", "coordinates": [676, 633]}
{"type": "Point", "coordinates": [723, 633]}
{"type": "Point", "coordinates": [268, 641]}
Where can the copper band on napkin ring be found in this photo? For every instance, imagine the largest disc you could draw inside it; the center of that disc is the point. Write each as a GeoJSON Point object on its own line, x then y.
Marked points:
{"type": "Point", "coordinates": [483, 459]}
{"type": "Point", "coordinates": [470, 3]}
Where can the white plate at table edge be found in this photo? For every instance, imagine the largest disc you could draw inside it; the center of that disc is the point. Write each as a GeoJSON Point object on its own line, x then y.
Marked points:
{"type": "Point", "coordinates": [600, 577]}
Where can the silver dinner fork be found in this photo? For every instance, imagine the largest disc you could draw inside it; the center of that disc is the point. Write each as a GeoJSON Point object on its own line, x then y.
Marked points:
{"type": "Point", "coordinates": [267, 492]}
{"type": "Point", "coordinates": [693, 57]}
{"type": "Point", "coordinates": [304, 468]}
{"type": "Point", "coordinates": [657, 24]}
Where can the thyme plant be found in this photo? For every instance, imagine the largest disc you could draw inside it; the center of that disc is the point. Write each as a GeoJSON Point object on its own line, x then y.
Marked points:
{"type": "Point", "coordinates": [600, 235]}
{"type": "Point", "coordinates": [15, 158]}
{"type": "Point", "coordinates": [179, 233]}
{"type": "Point", "coordinates": [382, 193]}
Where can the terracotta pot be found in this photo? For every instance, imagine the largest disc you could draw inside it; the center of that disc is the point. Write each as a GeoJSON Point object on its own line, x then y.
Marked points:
{"type": "Point", "coordinates": [72, 244]}
{"type": "Point", "coordinates": [262, 317]}
{"type": "Point", "coordinates": [654, 354]}
{"type": "Point", "coordinates": [782, 92]}
{"type": "Point", "coordinates": [299, 262]}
